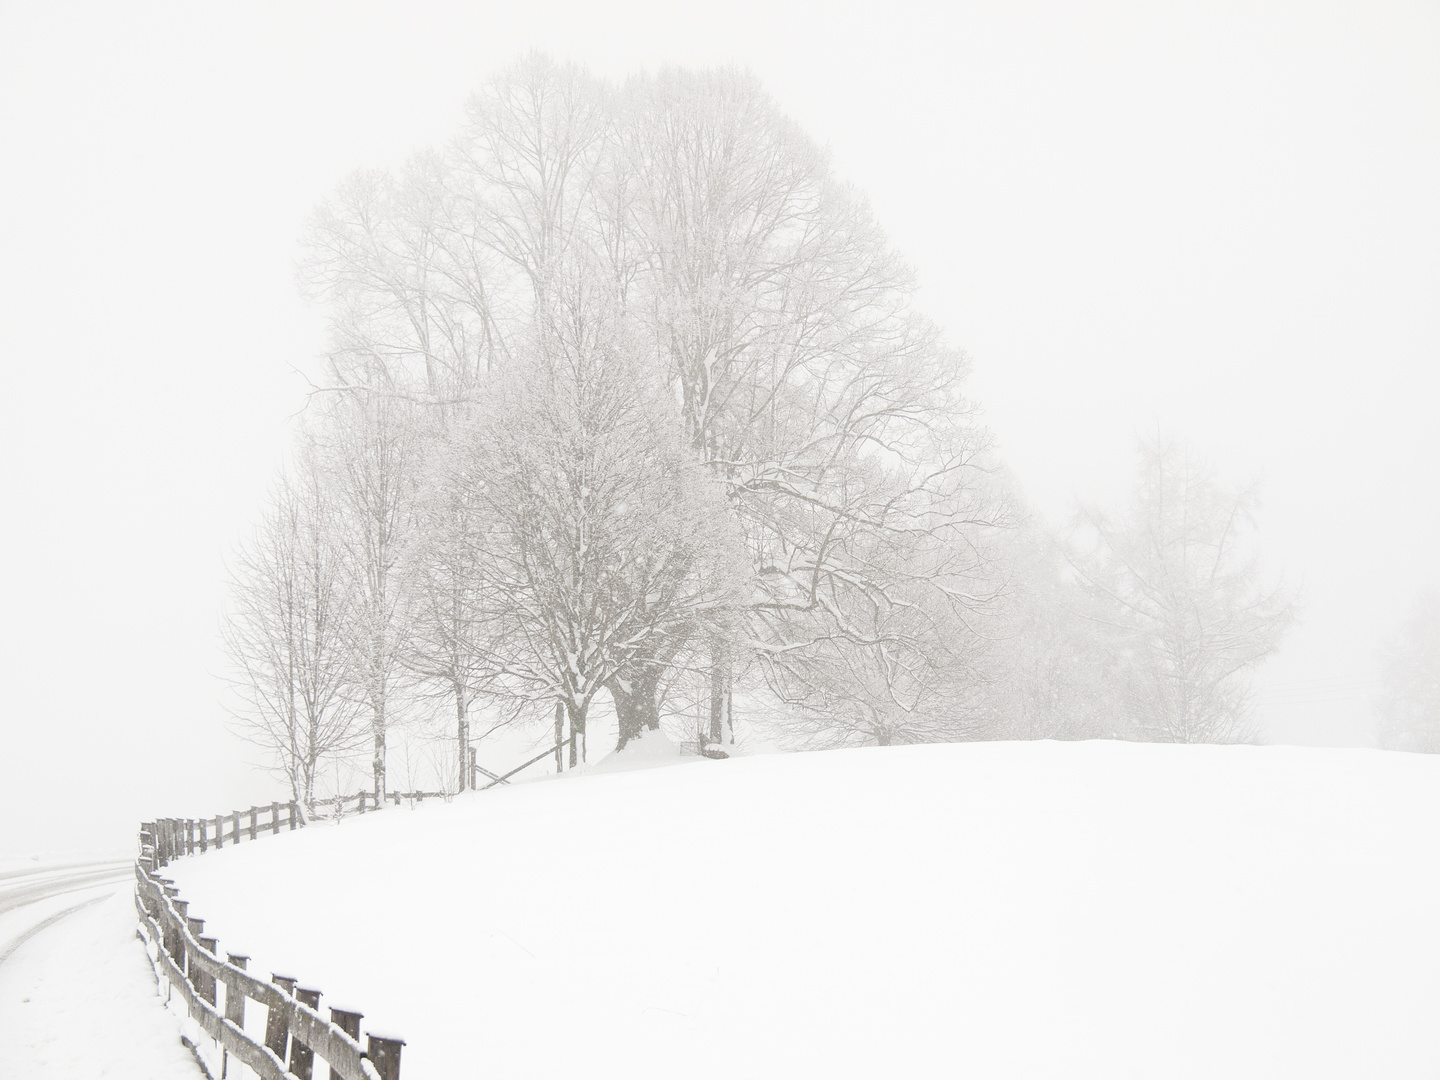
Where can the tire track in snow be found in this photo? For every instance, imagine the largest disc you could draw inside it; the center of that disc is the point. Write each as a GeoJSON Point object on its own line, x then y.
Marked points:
{"type": "Point", "coordinates": [8, 950]}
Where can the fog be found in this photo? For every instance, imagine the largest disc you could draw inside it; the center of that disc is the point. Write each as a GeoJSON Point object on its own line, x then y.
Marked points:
{"type": "Point", "coordinates": [1208, 219]}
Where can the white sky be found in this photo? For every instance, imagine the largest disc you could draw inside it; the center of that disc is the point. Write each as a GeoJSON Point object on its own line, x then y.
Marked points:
{"type": "Point", "coordinates": [1221, 218]}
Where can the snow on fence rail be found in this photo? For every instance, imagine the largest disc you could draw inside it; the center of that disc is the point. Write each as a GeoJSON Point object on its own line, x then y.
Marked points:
{"type": "Point", "coordinates": [187, 959]}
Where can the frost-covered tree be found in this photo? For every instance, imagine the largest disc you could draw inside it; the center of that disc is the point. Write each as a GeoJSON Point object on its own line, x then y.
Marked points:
{"type": "Point", "coordinates": [1176, 592]}
{"type": "Point", "coordinates": [286, 633]}
{"type": "Point", "coordinates": [445, 586]}
{"type": "Point", "coordinates": [369, 452]}
{"type": "Point", "coordinates": [759, 311]}
{"type": "Point", "coordinates": [1408, 706]}
{"type": "Point", "coordinates": [604, 544]}
{"type": "Point", "coordinates": [785, 325]}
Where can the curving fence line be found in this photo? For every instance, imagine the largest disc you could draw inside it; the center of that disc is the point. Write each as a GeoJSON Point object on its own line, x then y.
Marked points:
{"type": "Point", "coordinates": [216, 991]}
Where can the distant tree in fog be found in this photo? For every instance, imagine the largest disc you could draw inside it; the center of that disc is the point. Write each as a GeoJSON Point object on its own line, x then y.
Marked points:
{"type": "Point", "coordinates": [1176, 594]}
{"type": "Point", "coordinates": [1052, 675]}
{"type": "Point", "coordinates": [1408, 706]}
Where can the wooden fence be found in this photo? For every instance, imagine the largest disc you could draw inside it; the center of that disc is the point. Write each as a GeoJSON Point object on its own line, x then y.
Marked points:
{"type": "Point", "coordinates": [174, 837]}
{"type": "Point", "coordinates": [215, 991]}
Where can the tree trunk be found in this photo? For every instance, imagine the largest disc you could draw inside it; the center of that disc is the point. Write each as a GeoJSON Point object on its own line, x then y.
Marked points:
{"type": "Point", "coordinates": [559, 736]}
{"type": "Point", "coordinates": [577, 727]}
{"type": "Point", "coordinates": [721, 723]}
{"type": "Point", "coordinates": [637, 707]}
{"type": "Point", "coordinates": [377, 728]}
{"type": "Point", "coordinates": [462, 735]}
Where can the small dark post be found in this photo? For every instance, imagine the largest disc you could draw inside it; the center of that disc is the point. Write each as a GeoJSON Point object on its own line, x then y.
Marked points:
{"type": "Point", "coordinates": [234, 996]}
{"type": "Point", "coordinates": [235, 826]}
{"type": "Point", "coordinates": [361, 797]}
{"type": "Point", "coordinates": [302, 1058]}
{"type": "Point", "coordinates": [384, 1054]}
{"type": "Point", "coordinates": [219, 831]}
{"type": "Point", "coordinates": [204, 835]}
{"type": "Point", "coordinates": [294, 816]}
{"type": "Point", "coordinates": [274, 819]}
{"type": "Point", "coordinates": [276, 1028]}
{"type": "Point", "coordinates": [254, 812]}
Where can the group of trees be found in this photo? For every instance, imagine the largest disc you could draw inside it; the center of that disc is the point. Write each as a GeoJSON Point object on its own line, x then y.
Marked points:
{"type": "Point", "coordinates": [627, 398]}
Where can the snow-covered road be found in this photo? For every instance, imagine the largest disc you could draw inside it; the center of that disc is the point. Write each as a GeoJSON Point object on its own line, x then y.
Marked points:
{"type": "Point", "coordinates": [77, 993]}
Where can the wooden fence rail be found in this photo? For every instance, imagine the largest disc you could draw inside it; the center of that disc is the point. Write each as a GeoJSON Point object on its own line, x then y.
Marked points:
{"type": "Point", "coordinates": [365, 800]}
{"type": "Point", "coordinates": [190, 965]}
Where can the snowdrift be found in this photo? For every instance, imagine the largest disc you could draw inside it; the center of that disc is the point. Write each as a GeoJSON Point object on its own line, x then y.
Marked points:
{"type": "Point", "coordinates": [986, 910]}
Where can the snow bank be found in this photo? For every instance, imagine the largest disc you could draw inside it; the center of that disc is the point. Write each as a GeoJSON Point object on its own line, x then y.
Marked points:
{"type": "Point", "coordinates": [989, 910]}
{"type": "Point", "coordinates": [648, 750]}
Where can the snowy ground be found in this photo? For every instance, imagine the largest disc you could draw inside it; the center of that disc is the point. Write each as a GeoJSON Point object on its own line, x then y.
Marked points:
{"type": "Point", "coordinates": [78, 1000]}
{"type": "Point", "coordinates": [987, 910]}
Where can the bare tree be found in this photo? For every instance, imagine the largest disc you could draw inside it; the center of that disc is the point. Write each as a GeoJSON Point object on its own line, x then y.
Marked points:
{"type": "Point", "coordinates": [369, 450]}
{"type": "Point", "coordinates": [1408, 706]}
{"type": "Point", "coordinates": [1175, 588]}
{"type": "Point", "coordinates": [445, 589]}
{"type": "Point", "coordinates": [286, 635]}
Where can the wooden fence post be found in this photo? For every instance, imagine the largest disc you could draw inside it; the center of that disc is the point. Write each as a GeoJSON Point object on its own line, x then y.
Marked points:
{"type": "Point", "coordinates": [219, 831]}
{"type": "Point", "coordinates": [234, 996]}
{"type": "Point", "coordinates": [294, 814]}
{"type": "Point", "coordinates": [254, 812]}
{"type": "Point", "coordinates": [203, 981]}
{"type": "Point", "coordinates": [274, 819]}
{"type": "Point", "coordinates": [362, 800]}
{"type": "Point", "coordinates": [348, 1021]}
{"type": "Point", "coordinates": [384, 1054]}
{"type": "Point", "coordinates": [277, 1030]}
{"type": "Point", "coordinates": [302, 1058]}
{"type": "Point", "coordinates": [174, 939]}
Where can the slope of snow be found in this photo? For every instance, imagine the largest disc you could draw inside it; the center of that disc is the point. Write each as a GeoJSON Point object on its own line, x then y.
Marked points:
{"type": "Point", "coordinates": [987, 910]}
{"type": "Point", "coordinates": [78, 1001]}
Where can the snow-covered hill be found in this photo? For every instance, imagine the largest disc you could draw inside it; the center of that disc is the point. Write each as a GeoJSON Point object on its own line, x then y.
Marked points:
{"type": "Point", "coordinates": [983, 910]}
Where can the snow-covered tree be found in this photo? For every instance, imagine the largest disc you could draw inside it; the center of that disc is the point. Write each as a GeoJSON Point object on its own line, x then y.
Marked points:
{"type": "Point", "coordinates": [369, 452]}
{"type": "Point", "coordinates": [605, 544]}
{"type": "Point", "coordinates": [286, 632]}
{"type": "Point", "coordinates": [754, 306]}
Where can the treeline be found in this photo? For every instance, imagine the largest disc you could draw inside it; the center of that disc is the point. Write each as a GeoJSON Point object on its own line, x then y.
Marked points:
{"type": "Point", "coordinates": [627, 400]}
